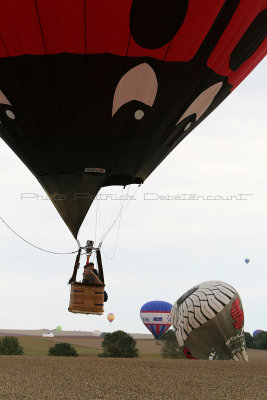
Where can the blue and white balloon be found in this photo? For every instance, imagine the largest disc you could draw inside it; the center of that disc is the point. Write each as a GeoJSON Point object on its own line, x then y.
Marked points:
{"type": "Point", "coordinates": [156, 315]}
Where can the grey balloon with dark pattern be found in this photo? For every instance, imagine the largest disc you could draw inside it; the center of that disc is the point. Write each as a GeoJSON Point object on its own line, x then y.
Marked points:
{"type": "Point", "coordinates": [209, 322]}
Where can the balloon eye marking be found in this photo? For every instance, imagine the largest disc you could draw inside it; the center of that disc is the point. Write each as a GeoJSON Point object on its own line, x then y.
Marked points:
{"type": "Point", "coordinates": [4, 99]}
{"type": "Point", "coordinates": [139, 114]}
{"type": "Point", "coordinates": [140, 84]}
{"type": "Point", "coordinates": [201, 103]}
{"type": "Point", "coordinates": [10, 114]}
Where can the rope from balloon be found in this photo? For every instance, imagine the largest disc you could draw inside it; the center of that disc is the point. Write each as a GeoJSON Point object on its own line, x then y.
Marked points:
{"type": "Point", "coordinates": [124, 205]}
{"type": "Point", "coordinates": [33, 245]}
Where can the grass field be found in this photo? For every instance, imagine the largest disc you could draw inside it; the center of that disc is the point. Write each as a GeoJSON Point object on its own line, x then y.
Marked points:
{"type": "Point", "coordinates": [37, 346]}
{"type": "Point", "coordinates": [58, 378]}
{"type": "Point", "coordinates": [91, 347]}
{"type": "Point", "coordinates": [145, 346]}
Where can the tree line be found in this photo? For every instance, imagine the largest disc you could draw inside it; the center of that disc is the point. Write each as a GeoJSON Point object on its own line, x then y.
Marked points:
{"type": "Point", "coordinates": [256, 342]}
{"type": "Point", "coordinates": [121, 344]}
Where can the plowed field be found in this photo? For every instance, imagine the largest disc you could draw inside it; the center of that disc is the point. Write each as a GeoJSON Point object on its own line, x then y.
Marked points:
{"type": "Point", "coordinates": [31, 377]}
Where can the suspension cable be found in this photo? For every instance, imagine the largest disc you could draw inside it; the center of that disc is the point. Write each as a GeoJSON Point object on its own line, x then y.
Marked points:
{"type": "Point", "coordinates": [114, 213]}
{"type": "Point", "coordinates": [96, 217]}
{"type": "Point", "coordinates": [105, 212]}
{"type": "Point", "coordinates": [33, 245]}
{"type": "Point", "coordinates": [124, 204]}
{"type": "Point", "coordinates": [116, 244]}
{"type": "Point", "coordinates": [123, 201]}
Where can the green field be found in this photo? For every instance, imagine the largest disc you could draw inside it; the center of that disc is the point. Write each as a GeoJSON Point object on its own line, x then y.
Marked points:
{"type": "Point", "coordinates": [91, 347]}
{"type": "Point", "coordinates": [37, 346]}
{"type": "Point", "coordinates": [86, 347]}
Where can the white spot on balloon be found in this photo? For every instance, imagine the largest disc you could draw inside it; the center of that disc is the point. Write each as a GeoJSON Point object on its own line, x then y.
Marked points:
{"type": "Point", "coordinates": [139, 114]}
{"type": "Point", "coordinates": [187, 126]}
{"type": "Point", "coordinates": [10, 114]}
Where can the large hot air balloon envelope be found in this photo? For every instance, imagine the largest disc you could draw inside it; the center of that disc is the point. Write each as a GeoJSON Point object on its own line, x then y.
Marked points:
{"type": "Point", "coordinates": [208, 321]}
{"type": "Point", "coordinates": [98, 93]}
{"type": "Point", "coordinates": [156, 316]}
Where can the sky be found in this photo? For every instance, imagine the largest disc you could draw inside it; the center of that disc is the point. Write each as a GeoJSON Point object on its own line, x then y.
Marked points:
{"type": "Point", "coordinates": [212, 218]}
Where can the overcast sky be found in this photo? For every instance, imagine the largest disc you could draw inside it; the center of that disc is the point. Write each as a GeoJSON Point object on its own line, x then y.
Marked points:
{"type": "Point", "coordinates": [165, 246]}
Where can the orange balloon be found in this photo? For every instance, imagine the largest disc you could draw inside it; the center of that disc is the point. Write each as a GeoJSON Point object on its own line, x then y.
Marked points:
{"type": "Point", "coordinates": [111, 317]}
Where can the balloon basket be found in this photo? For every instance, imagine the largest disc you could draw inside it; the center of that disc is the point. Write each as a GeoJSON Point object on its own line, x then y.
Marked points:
{"type": "Point", "coordinates": [86, 299]}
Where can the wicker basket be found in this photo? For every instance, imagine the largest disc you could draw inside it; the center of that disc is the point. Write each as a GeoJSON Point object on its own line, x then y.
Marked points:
{"type": "Point", "coordinates": [86, 299]}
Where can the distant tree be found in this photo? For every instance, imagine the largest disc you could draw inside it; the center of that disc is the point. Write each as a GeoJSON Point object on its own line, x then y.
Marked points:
{"type": "Point", "coordinates": [248, 339]}
{"type": "Point", "coordinates": [10, 345]}
{"type": "Point", "coordinates": [260, 341]}
{"type": "Point", "coordinates": [170, 347]}
{"type": "Point", "coordinates": [119, 344]}
{"type": "Point", "coordinates": [63, 349]}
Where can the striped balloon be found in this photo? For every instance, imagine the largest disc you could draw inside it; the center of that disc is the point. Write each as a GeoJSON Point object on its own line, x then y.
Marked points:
{"type": "Point", "coordinates": [156, 315]}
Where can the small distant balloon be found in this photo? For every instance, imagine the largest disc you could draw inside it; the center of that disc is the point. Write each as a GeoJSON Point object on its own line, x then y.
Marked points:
{"type": "Point", "coordinates": [257, 331]}
{"type": "Point", "coordinates": [111, 317]}
{"type": "Point", "coordinates": [247, 260]}
{"type": "Point", "coordinates": [59, 328]}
